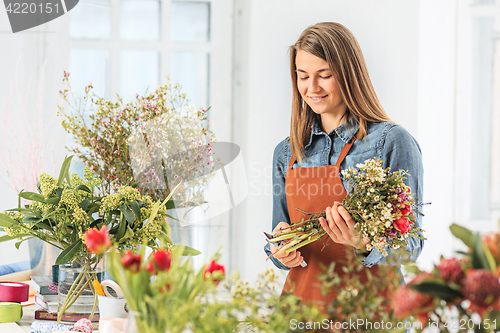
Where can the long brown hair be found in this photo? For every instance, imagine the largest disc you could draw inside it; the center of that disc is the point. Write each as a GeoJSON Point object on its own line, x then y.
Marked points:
{"type": "Point", "coordinates": [337, 45]}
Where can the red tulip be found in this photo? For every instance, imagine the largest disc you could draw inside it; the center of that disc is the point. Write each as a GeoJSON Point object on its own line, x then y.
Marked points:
{"type": "Point", "coordinates": [215, 270]}
{"type": "Point", "coordinates": [150, 267]}
{"type": "Point", "coordinates": [97, 241]}
{"type": "Point", "coordinates": [131, 261]}
{"type": "Point", "coordinates": [161, 261]}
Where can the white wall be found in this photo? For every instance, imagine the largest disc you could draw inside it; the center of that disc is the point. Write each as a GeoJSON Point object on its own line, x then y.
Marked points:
{"type": "Point", "coordinates": [388, 34]}
{"type": "Point", "coordinates": [31, 76]}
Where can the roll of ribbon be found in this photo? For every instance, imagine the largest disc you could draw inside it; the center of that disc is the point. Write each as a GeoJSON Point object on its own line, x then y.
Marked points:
{"type": "Point", "coordinates": [10, 312]}
{"type": "Point", "coordinates": [113, 325]}
{"type": "Point", "coordinates": [110, 284]}
{"type": "Point", "coordinates": [14, 292]}
{"type": "Point", "coordinates": [46, 327]}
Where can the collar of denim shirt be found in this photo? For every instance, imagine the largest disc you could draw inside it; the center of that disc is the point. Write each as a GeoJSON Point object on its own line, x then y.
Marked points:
{"type": "Point", "coordinates": [344, 132]}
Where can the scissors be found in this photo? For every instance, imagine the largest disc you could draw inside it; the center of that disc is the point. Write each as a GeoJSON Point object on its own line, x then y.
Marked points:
{"type": "Point", "coordinates": [279, 245]}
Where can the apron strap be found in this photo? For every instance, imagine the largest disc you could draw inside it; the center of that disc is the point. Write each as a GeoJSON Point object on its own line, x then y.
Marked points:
{"type": "Point", "coordinates": [343, 154]}
{"type": "Point", "coordinates": [345, 151]}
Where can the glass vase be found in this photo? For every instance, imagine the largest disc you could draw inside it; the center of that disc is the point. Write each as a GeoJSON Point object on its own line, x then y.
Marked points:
{"type": "Point", "coordinates": [76, 293]}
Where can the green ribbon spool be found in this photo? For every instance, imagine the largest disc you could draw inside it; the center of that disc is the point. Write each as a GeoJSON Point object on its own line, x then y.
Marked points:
{"type": "Point", "coordinates": [10, 312]}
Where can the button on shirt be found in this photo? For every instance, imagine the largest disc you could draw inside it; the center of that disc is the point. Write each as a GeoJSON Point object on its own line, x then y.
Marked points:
{"type": "Point", "coordinates": [387, 141]}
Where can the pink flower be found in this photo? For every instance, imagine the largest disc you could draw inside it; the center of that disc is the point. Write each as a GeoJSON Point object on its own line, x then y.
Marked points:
{"type": "Point", "coordinates": [115, 152]}
{"type": "Point", "coordinates": [451, 271]}
{"type": "Point", "coordinates": [97, 241]}
{"type": "Point", "coordinates": [481, 287]}
{"type": "Point", "coordinates": [407, 301]}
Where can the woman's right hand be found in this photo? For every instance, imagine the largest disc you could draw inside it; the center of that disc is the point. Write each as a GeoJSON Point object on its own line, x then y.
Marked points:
{"type": "Point", "coordinates": [292, 259]}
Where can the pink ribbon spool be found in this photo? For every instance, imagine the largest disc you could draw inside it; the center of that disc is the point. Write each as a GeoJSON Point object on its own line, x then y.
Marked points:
{"type": "Point", "coordinates": [14, 292]}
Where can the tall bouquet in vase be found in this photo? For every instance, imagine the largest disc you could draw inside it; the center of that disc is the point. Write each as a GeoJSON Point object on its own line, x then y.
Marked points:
{"type": "Point", "coordinates": [379, 202]}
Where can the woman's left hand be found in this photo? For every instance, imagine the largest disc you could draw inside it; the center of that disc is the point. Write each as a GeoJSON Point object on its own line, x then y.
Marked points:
{"type": "Point", "coordinates": [339, 225]}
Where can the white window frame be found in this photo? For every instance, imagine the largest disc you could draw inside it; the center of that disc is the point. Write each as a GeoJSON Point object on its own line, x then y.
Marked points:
{"type": "Point", "coordinates": [220, 96]}
{"type": "Point", "coordinates": [465, 113]}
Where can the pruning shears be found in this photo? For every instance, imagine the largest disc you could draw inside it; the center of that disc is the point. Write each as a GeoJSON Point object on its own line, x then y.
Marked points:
{"type": "Point", "coordinates": [279, 245]}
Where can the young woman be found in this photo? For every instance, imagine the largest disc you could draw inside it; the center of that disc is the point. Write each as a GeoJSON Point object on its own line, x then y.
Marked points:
{"type": "Point", "coordinates": [337, 122]}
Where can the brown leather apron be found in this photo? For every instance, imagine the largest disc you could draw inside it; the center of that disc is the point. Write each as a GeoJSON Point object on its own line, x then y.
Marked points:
{"type": "Point", "coordinates": [312, 190]}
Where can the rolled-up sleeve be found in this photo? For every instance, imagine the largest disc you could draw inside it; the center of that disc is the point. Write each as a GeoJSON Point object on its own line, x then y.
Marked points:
{"type": "Point", "coordinates": [400, 151]}
{"type": "Point", "coordinates": [280, 208]}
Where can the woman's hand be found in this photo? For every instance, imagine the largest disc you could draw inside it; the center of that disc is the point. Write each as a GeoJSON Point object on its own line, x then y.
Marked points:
{"type": "Point", "coordinates": [293, 259]}
{"type": "Point", "coordinates": [339, 225]}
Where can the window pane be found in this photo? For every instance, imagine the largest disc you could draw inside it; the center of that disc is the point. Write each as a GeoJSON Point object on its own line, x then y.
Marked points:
{"type": "Point", "coordinates": [190, 69]}
{"type": "Point", "coordinates": [140, 19]}
{"type": "Point", "coordinates": [190, 21]}
{"type": "Point", "coordinates": [87, 66]}
{"type": "Point", "coordinates": [90, 19]}
{"type": "Point", "coordinates": [139, 70]}
{"type": "Point", "coordinates": [481, 99]}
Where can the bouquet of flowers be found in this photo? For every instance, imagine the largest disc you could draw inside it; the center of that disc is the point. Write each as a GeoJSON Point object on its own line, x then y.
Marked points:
{"type": "Point", "coordinates": [379, 202]}
{"type": "Point", "coordinates": [154, 142]}
{"type": "Point", "coordinates": [67, 208]}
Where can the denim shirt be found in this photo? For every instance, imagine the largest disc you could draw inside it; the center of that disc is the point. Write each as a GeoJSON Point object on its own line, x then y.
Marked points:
{"type": "Point", "coordinates": [387, 141]}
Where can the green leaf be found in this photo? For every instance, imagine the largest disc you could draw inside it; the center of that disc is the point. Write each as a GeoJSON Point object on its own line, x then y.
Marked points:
{"type": "Point", "coordinates": [137, 210]}
{"type": "Point", "coordinates": [129, 233]}
{"type": "Point", "coordinates": [164, 239]}
{"type": "Point", "coordinates": [129, 215]}
{"type": "Point", "coordinates": [464, 234]}
{"type": "Point", "coordinates": [122, 228]}
{"type": "Point", "coordinates": [440, 290]}
{"type": "Point", "coordinates": [64, 173]}
{"type": "Point", "coordinates": [8, 238]}
{"type": "Point", "coordinates": [83, 188]}
{"type": "Point", "coordinates": [19, 243]}
{"type": "Point", "coordinates": [53, 200]}
{"type": "Point", "coordinates": [6, 220]}
{"type": "Point", "coordinates": [32, 196]}
{"type": "Point", "coordinates": [171, 204]}
{"type": "Point", "coordinates": [84, 204]}
{"type": "Point", "coordinates": [188, 251]}
{"type": "Point", "coordinates": [68, 253]}
{"type": "Point", "coordinates": [479, 260]}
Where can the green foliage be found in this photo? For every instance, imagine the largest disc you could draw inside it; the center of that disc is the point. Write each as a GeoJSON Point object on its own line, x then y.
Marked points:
{"type": "Point", "coordinates": [67, 207]}
{"type": "Point", "coordinates": [180, 298]}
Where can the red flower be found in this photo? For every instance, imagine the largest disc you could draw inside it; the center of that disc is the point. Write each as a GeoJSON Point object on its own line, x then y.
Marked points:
{"type": "Point", "coordinates": [162, 259]}
{"type": "Point", "coordinates": [406, 210]}
{"type": "Point", "coordinates": [481, 287]}
{"type": "Point", "coordinates": [159, 260]}
{"type": "Point", "coordinates": [150, 267]}
{"type": "Point", "coordinates": [97, 241]}
{"type": "Point", "coordinates": [131, 261]}
{"type": "Point", "coordinates": [450, 270]}
{"type": "Point", "coordinates": [214, 271]}
{"type": "Point", "coordinates": [407, 301]}
{"type": "Point", "coordinates": [403, 224]}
